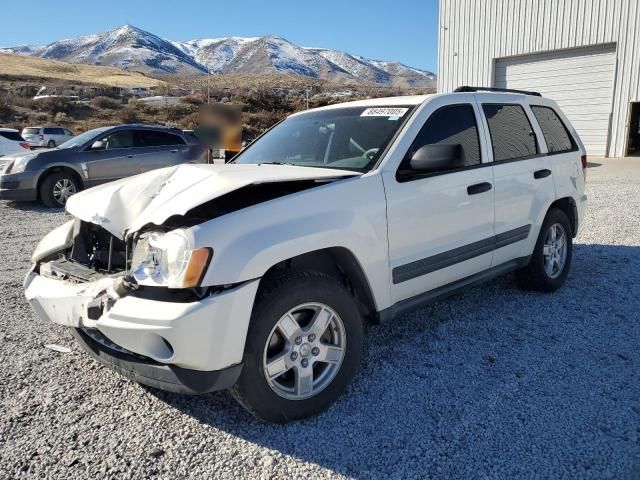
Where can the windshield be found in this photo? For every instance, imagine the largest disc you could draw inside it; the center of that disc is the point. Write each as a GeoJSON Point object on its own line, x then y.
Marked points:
{"type": "Point", "coordinates": [83, 138]}
{"type": "Point", "coordinates": [349, 138]}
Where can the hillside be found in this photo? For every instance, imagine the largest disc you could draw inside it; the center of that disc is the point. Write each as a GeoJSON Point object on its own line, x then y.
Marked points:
{"type": "Point", "coordinates": [136, 49]}
{"type": "Point", "coordinates": [22, 67]}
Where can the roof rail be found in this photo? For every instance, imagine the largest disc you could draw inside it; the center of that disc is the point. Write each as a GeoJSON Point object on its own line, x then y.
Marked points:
{"type": "Point", "coordinates": [466, 88]}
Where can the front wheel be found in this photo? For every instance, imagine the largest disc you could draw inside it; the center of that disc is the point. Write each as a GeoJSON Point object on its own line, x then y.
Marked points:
{"type": "Point", "coordinates": [56, 189]}
{"type": "Point", "coordinates": [551, 260]}
{"type": "Point", "coordinates": [303, 347]}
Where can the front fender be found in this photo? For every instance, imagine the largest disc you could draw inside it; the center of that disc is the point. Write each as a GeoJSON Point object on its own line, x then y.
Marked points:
{"type": "Point", "coordinates": [350, 214]}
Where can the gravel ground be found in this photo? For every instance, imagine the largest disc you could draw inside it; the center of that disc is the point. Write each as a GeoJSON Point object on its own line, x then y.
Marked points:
{"type": "Point", "coordinates": [494, 383]}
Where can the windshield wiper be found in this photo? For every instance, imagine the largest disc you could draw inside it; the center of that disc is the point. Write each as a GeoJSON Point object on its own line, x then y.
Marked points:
{"type": "Point", "coordinates": [274, 163]}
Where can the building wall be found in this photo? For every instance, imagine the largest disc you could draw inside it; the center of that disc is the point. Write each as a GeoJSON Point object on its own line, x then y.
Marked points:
{"type": "Point", "coordinates": [473, 33]}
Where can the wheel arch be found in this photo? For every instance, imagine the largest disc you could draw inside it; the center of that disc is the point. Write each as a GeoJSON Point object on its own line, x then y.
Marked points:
{"type": "Point", "coordinates": [568, 206]}
{"type": "Point", "coordinates": [339, 263]}
{"type": "Point", "coordinates": [55, 169]}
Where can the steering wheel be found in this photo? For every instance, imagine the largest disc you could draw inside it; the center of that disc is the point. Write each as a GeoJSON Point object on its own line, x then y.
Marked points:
{"type": "Point", "coordinates": [369, 154]}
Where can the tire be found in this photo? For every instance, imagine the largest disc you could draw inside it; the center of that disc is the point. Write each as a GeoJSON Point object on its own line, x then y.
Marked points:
{"type": "Point", "coordinates": [316, 296]}
{"type": "Point", "coordinates": [51, 144]}
{"type": "Point", "coordinates": [56, 189]}
{"type": "Point", "coordinates": [536, 275]}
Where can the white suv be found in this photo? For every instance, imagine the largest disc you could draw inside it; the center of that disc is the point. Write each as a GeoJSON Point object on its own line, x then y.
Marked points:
{"type": "Point", "coordinates": [258, 275]}
{"type": "Point", "coordinates": [48, 137]}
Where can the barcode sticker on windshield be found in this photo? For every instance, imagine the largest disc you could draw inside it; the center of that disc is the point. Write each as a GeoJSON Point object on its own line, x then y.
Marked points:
{"type": "Point", "coordinates": [384, 112]}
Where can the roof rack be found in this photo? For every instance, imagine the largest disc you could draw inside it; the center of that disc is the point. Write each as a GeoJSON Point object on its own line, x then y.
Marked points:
{"type": "Point", "coordinates": [466, 88]}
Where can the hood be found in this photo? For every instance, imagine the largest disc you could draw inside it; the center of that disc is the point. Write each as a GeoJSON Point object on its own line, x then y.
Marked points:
{"type": "Point", "coordinates": [151, 198]}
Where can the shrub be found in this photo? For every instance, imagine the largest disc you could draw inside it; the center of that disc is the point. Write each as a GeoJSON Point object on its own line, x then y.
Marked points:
{"type": "Point", "coordinates": [6, 113]}
{"type": "Point", "coordinates": [128, 115]}
{"type": "Point", "coordinates": [52, 105]}
{"type": "Point", "coordinates": [193, 100]}
{"type": "Point", "coordinates": [61, 117]}
{"type": "Point", "coordinates": [106, 102]}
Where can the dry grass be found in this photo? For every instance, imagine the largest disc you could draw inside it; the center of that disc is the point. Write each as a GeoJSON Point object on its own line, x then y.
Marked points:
{"type": "Point", "coordinates": [24, 67]}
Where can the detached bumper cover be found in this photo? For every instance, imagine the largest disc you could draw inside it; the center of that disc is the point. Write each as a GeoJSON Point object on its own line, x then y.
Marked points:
{"type": "Point", "coordinates": [206, 335]}
{"type": "Point", "coordinates": [165, 377]}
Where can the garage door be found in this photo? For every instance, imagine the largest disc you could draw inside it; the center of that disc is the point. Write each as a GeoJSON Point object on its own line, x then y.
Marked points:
{"type": "Point", "coordinates": [580, 80]}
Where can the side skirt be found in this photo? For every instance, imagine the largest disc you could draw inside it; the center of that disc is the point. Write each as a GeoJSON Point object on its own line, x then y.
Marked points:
{"type": "Point", "coordinates": [452, 288]}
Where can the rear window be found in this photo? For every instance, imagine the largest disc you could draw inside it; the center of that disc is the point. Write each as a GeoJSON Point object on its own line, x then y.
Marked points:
{"type": "Point", "coordinates": [31, 131]}
{"type": "Point", "coordinates": [555, 133]}
{"type": "Point", "coordinates": [512, 136]}
{"type": "Point", "coordinates": [15, 136]}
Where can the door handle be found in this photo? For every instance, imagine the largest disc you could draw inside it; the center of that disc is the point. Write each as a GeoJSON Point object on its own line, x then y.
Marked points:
{"type": "Point", "coordinates": [130, 156]}
{"type": "Point", "coordinates": [479, 188]}
{"type": "Point", "coordinates": [174, 151]}
{"type": "Point", "coordinates": [541, 173]}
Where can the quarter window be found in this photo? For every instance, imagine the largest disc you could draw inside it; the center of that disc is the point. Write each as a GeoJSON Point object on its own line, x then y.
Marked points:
{"type": "Point", "coordinates": [454, 125]}
{"type": "Point", "coordinates": [512, 136]}
{"type": "Point", "coordinates": [555, 133]}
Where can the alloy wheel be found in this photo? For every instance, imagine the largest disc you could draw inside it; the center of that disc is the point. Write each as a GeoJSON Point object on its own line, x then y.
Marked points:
{"type": "Point", "coordinates": [555, 250]}
{"type": "Point", "coordinates": [62, 190]}
{"type": "Point", "coordinates": [304, 351]}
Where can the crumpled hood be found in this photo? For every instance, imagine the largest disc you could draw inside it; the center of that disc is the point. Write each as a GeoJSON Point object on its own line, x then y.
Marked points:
{"type": "Point", "coordinates": [128, 204]}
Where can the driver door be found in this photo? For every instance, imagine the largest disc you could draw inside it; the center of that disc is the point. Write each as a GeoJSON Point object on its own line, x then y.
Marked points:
{"type": "Point", "coordinates": [440, 224]}
{"type": "Point", "coordinates": [115, 159]}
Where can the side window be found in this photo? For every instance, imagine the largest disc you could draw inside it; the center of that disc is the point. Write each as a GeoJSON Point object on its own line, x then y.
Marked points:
{"type": "Point", "coordinates": [48, 131]}
{"type": "Point", "coordinates": [512, 136]}
{"type": "Point", "coordinates": [453, 126]}
{"type": "Point", "coordinates": [122, 139]}
{"type": "Point", "coordinates": [555, 133]}
{"type": "Point", "coordinates": [153, 138]}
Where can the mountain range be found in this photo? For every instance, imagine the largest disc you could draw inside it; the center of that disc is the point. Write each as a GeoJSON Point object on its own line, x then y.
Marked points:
{"type": "Point", "coordinates": [136, 49]}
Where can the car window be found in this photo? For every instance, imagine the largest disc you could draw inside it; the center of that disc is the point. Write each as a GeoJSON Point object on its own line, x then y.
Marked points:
{"type": "Point", "coordinates": [31, 131]}
{"type": "Point", "coordinates": [512, 136]}
{"type": "Point", "coordinates": [49, 131]}
{"type": "Point", "coordinates": [555, 133]}
{"type": "Point", "coordinates": [453, 125]}
{"type": "Point", "coordinates": [121, 139]}
{"type": "Point", "coordinates": [67, 132]}
{"type": "Point", "coordinates": [154, 138]}
{"type": "Point", "coordinates": [15, 136]}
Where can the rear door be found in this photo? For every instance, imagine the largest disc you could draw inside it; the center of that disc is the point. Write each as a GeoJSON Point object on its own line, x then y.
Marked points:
{"type": "Point", "coordinates": [522, 175]}
{"type": "Point", "coordinates": [563, 151]}
{"type": "Point", "coordinates": [117, 159]}
{"type": "Point", "coordinates": [157, 149]}
{"type": "Point", "coordinates": [440, 225]}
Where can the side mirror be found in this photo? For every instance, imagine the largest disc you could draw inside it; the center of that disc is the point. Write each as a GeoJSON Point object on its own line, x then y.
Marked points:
{"type": "Point", "coordinates": [98, 145]}
{"type": "Point", "coordinates": [437, 158]}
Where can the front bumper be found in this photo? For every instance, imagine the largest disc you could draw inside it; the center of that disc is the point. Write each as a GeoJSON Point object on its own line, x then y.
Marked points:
{"type": "Point", "coordinates": [18, 186]}
{"type": "Point", "coordinates": [165, 377]}
{"type": "Point", "coordinates": [206, 335]}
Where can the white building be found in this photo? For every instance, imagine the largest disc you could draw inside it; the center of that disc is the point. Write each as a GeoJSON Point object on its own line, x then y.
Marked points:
{"type": "Point", "coordinates": [584, 54]}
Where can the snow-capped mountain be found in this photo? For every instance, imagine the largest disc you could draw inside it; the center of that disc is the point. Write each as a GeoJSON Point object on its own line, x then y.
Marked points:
{"type": "Point", "coordinates": [136, 49]}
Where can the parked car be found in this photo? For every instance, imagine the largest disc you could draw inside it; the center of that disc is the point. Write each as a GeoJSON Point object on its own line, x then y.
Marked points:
{"type": "Point", "coordinates": [257, 276]}
{"type": "Point", "coordinates": [49, 137]}
{"type": "Point", "coordinates": [11, 142]}
{"type": "Point", "coordinates": [97, 156]}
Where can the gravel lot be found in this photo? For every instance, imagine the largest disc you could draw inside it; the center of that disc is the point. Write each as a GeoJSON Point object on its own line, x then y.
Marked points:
{"type": "Point", "coordinates": [494, 383]}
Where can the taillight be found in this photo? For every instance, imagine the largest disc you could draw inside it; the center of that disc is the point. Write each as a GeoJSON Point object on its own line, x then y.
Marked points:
{"type": "Point", "coordinates": [583, 158]}
{"type": "Point", "coordinates": [25, 146]}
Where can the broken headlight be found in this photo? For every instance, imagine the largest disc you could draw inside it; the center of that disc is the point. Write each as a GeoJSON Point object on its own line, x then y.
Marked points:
{"type": "Point", "coordinates": [165, 259]}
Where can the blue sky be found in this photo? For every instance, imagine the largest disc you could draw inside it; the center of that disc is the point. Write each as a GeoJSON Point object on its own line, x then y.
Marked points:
{"type": "Point", "coordinates": [380, 29]}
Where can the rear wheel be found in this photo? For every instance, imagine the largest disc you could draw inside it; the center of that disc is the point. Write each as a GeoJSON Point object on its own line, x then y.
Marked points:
{"type": "Point", "coordinates": [551, 260]}
{"type": "Point", "coordinates": [303, 347]}
{"type": "Point", "coordinates": [51, 144]}
{"type": "Point", "coordinates": [56, 189]}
